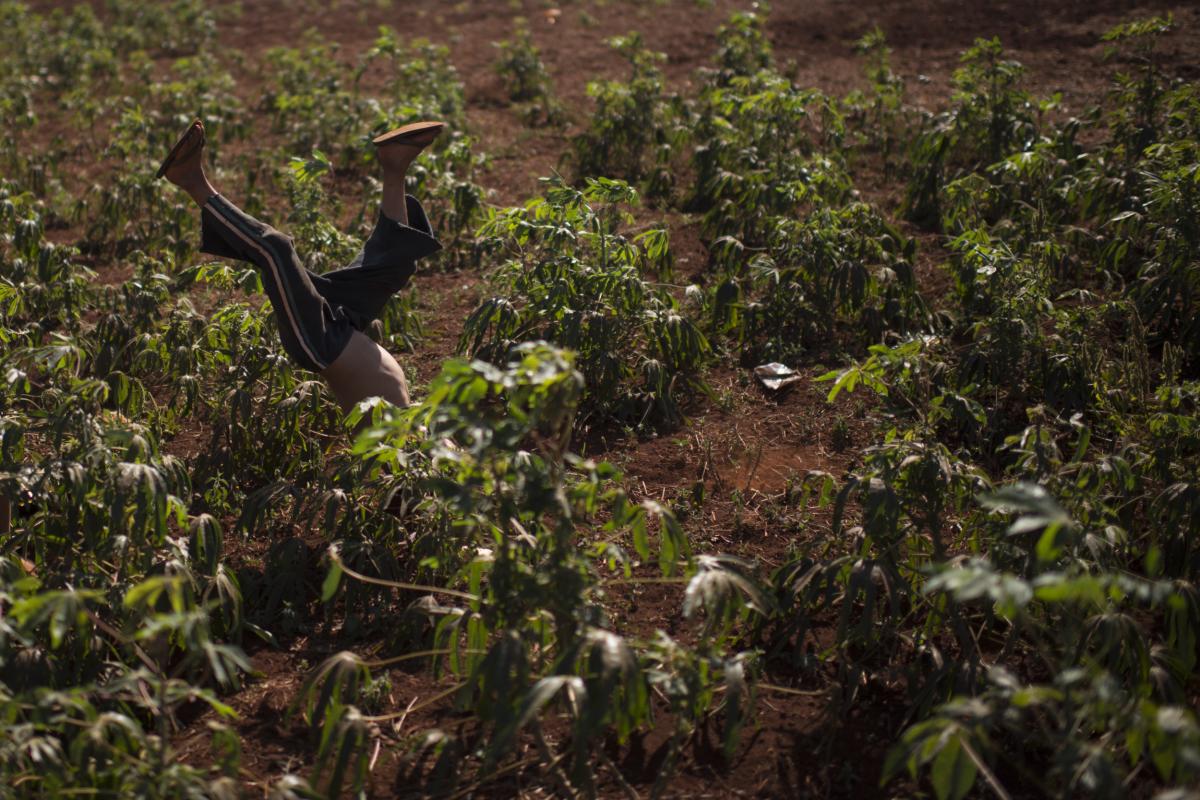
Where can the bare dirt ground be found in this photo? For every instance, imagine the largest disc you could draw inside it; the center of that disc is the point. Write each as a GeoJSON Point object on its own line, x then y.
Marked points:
{"type": "Point", "coordinates": [743, 445]}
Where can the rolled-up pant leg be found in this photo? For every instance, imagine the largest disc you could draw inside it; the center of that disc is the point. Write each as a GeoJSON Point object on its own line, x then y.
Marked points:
{"type": "Point", "coordinates": [312, 331]}
{"type": "Point", "coordinates": [384, 267]}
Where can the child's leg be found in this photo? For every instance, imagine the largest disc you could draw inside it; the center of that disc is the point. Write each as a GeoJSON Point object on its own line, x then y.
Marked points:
{"type": "Point", "coordinates": [402, 235]}
{"type": "Point", "coordinates": [312, 333]}
{"type": "Point", "coordinates": [384, 267]}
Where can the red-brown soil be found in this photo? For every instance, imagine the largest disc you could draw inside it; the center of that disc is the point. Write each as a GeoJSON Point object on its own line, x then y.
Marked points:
{"type": "Point", "coordinates": [744, 445]}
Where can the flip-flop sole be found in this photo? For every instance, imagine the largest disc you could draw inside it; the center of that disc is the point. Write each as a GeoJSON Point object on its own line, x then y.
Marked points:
{"type": "Point", "coordinates": [408, 132]}
{"type": "Point", "coordinates": [170, 159]}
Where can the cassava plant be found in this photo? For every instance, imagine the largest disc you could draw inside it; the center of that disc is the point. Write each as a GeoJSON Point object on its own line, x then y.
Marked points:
{"type": "Point", "coordinates": [573, 279]}
{"type": "Point", "coordinates": [536, 536]}
{"type": "Point", "coordinates": [527, 81]}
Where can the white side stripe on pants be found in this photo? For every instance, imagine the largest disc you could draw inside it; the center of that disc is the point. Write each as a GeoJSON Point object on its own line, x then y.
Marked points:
{"type": "Point", "coordinates": [277, 274]}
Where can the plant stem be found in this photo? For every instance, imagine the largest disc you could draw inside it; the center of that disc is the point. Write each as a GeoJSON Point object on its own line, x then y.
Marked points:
{"type": "Point", "coordinates": [415, 587]}
{"type": "Point", "coordinates": [634, 581]}
{"type": "Point", "coordinates": [417, 707]}
{"type": "Point", "coordinates": [988, 776]}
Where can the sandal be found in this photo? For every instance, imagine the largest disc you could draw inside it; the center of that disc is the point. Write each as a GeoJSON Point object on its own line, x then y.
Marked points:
{"type": "Point", "coordinates": [410, 134]}
{"type": "Point", "coordinates": [171, 156]}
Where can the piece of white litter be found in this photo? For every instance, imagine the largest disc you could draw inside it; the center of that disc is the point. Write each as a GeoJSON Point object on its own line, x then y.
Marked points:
{"type": "Point", "coordinates": [776, 375]}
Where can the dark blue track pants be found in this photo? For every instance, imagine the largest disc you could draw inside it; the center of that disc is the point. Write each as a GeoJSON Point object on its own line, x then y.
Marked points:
{"type": "Point", "coordinates": [317, 314]}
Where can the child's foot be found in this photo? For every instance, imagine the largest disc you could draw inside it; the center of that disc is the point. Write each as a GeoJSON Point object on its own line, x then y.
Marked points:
{"type": "Point", "coordinates": [400, 147]}
{"type": "Point", "coordinates": [184, 166]}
